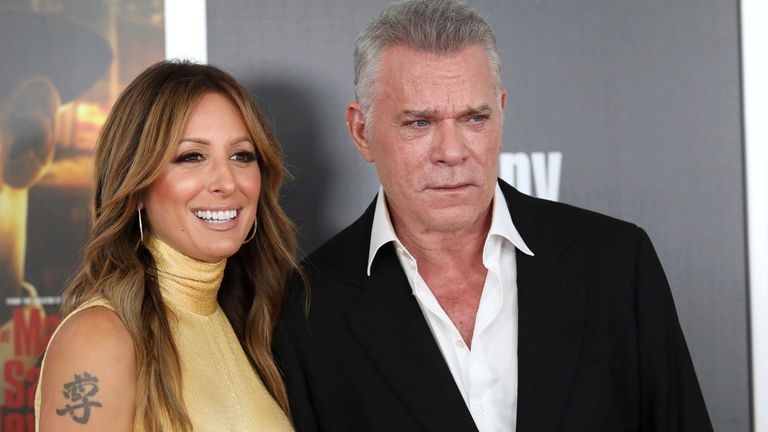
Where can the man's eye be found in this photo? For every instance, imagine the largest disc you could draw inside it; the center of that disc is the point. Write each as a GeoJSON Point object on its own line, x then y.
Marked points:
{"type": "Point", "coordinates": [244, 156]}
{"type": "Point", "coordinates": [419, 123]}
{"type": "Point", "coordinates": [478, 118]}
{"type": "Point", "coordinates": [190, 157]}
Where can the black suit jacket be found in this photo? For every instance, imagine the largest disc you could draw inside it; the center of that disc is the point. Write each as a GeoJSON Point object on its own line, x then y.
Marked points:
{"type": "Point", "coordinates": [599, 345]}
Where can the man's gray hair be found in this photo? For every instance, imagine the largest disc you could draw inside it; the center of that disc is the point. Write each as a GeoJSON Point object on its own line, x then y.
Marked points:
{"type": "Point", "coordinates": [434, 26]}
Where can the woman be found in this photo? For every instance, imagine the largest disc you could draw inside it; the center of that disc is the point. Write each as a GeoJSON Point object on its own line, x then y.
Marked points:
{"type": "Point", "coordinates": [169, 322]}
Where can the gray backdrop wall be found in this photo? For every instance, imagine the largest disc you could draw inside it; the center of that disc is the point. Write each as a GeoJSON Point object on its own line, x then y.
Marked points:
{"type": "Point", "coordinates": [636, 105]}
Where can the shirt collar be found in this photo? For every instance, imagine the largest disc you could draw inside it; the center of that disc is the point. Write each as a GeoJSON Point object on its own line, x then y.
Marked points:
{"type": "Point", "coordinates": [382, 231]}
{"type": "Point", "coordinates": [502, 225]}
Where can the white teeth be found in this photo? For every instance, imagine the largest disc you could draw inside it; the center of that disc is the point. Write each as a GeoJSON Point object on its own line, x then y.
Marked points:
{"type": "Point", "coordinates": [218, 216]}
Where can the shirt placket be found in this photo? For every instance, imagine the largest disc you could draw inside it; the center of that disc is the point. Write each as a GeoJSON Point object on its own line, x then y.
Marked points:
{"type": "Point", "coordinates": [447, 336]}
{"type": "Point", "coordinates": [479, 370]}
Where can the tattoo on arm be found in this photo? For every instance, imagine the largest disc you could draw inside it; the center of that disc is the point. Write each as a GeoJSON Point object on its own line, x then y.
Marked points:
{"type": "Point", "coordinates": [80, 392]}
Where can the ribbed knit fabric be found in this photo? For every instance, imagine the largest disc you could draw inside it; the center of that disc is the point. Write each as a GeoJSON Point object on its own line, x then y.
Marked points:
{"type": "Point", "coordinates": [221, 390]}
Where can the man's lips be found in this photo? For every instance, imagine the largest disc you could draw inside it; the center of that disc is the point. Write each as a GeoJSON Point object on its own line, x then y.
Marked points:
{"type": "Point", "coordinates": [450, 186]}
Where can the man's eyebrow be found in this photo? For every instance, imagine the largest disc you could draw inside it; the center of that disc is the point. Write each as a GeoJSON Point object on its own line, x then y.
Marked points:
{"type": "Point", "coordinates": [418, 114]}
{"type": "Point", "coordinates": [482, 109]}
{"type": "Point", "coordinates": [468, 112]}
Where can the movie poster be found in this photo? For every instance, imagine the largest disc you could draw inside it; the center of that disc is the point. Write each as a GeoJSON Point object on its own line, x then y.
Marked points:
{"type": "Point", "coordinates": [62, 65]}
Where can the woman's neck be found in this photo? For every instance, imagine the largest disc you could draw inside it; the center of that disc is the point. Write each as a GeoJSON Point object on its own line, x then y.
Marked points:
{"type": "Point", "coordinates": [186, 282]}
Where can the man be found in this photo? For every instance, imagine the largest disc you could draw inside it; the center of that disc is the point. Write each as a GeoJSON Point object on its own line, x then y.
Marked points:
{"type": "Point", "coordinates": [456, 303]}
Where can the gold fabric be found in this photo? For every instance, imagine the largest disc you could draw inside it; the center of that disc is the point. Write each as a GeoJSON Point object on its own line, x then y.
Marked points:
{"type": "Point", "coordinates": [221, 390]}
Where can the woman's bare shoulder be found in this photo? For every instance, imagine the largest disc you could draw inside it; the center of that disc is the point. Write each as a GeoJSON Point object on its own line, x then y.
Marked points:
{"type": "Point", "coordinates": [97, 328]}
{"type": "Point", "coordinates": [89, 377]}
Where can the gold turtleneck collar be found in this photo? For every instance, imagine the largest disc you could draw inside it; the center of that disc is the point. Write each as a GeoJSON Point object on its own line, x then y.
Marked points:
{"type": "Point", "coordinates": [186, 282]}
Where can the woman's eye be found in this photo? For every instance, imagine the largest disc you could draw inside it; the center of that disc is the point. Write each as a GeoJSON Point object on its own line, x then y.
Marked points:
{"type": "Point", "coordinates": [190, 157]}
{"type": "Point", "coordinates": [244, 156]}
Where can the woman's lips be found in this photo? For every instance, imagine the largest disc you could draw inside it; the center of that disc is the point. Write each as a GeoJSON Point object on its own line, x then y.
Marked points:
{"type": "Point", "coordinates": [217, 216]}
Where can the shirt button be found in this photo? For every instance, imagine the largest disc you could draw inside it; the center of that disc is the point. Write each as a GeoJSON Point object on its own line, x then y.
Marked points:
{"type": "Point", "coordinates": [459, 343]}
{"type": "Point", "coordinates": [481, 408]}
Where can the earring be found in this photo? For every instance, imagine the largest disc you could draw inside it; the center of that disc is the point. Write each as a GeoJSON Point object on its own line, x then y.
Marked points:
{"type": "Point", "coordinates": [255, 225]}
{"type": "Point", "coordinates": [141, 226]}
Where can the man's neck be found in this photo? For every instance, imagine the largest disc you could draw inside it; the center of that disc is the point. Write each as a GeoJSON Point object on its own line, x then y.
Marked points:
{"type": "Point", "coordinates": [451, 264]}
{"type": "Point", "coordinates": [461, 248]}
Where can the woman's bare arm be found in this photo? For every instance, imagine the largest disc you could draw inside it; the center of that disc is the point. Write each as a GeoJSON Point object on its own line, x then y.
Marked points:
{"type": "Point", "coordinates": [89, 381]}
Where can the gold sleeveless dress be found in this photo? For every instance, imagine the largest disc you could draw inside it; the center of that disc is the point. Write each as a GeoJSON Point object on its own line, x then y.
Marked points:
{"type": "Point", "coordinates": [221, 390]}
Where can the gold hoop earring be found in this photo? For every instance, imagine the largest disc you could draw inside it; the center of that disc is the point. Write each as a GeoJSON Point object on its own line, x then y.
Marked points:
{"type": "Point", "coordinates": [255, 225]}
{"type": "Point", "coordinates": [141, 226]}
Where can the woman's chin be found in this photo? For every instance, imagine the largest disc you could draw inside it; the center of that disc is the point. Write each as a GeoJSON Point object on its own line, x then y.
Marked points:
{"type": "Point", "coordinates": [219, 250]}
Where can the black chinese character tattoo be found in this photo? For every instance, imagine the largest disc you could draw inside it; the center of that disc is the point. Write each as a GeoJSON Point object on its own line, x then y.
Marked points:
{"type": "Point", "coordinates": [80, 392]}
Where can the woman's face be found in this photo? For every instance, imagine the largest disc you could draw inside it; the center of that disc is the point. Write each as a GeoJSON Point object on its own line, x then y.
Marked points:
{"type": "Point", "coordinates": [204, 202]}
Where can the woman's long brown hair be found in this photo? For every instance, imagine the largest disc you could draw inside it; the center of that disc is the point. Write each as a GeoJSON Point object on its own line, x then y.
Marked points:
{"type": "Point", "coordinates": [135, 144]}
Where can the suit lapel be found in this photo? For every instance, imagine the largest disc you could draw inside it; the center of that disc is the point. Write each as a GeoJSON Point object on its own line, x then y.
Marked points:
{"type": "Point", "coordinates": [390, 326]}
{"type": "Point", "coordinates": [551, 317]}
{"type": "Point", "coordinates": [392, 329]}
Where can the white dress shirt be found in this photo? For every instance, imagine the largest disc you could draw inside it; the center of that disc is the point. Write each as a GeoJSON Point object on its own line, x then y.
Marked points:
{"type": "Point", "coordinates": [486, 375]}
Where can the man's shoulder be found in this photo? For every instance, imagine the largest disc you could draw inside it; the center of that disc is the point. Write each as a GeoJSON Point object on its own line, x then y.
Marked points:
{"type": "Point", "coordinates": [349, 242]}
{"type": "Point", "coordinates": [579, 217]}
{"type": "Point", "coordinates": [340, 258]}
{"type": "Point", "coordinates": [534, 215]}
{"type": "Point", "coordinates": [345, 251]}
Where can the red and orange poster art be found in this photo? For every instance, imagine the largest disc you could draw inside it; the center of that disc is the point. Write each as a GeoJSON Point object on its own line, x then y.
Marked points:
{"type": "Point", "coordinates": [62, 65]}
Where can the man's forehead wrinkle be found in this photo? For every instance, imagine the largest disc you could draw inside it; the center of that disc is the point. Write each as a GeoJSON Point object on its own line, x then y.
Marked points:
{"type": "Point", "coordinates": [433, 98]}
{"type": "Point", "coordinates": [433, 86]}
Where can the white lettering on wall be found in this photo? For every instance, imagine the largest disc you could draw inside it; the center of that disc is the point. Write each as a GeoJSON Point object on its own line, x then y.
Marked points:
{"type": "Point", "coordinates": [538, 170]}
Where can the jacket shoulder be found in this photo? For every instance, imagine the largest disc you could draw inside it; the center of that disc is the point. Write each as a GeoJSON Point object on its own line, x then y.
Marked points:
{"type": "Point", "coordinates": [343, 255]}
{"type": "Point", "coordinates": [563, 219]}
{"type": "Point", "coordinates": [345, 250]}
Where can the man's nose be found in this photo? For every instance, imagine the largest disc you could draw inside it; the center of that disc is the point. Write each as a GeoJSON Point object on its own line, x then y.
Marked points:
{"type": "Point", "coordinates": [449, 146]}
{"type": "Point", "coordinates": [221, 178]}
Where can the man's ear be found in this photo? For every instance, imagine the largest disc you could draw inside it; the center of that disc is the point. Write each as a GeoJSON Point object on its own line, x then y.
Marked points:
{"type": "Point", "coordinates": [503, 99]}
{"type": "Point", "coordinates": [356, 126]}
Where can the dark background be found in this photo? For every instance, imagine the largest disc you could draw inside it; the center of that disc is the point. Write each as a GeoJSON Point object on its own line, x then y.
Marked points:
{"type": "Point", "coordinates": [640, 97]}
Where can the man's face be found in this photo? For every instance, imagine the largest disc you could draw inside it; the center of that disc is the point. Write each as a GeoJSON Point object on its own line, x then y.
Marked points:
{"type": "Point", "coordinates": [434, 133]}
